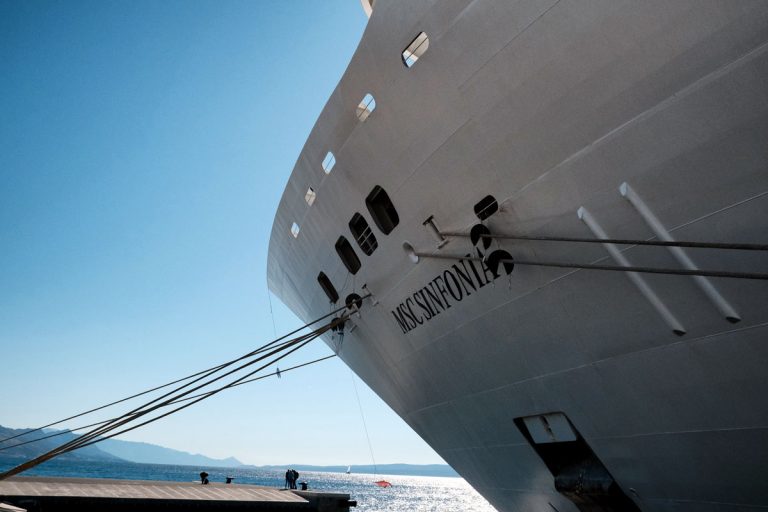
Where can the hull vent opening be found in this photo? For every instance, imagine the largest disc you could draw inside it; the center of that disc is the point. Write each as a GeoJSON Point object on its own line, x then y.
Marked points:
{"type": "Point", "coordinates": [579, 475]}
{"type": "Point", "coordinates": [347, 255]}
{"type": "Point", "coordinates": [382, 210]}
{"type": "Point", "coordinates": [328, 288]}
{"type": "Point", "coordinates": [415, 49]}
{"type": "Point", "coordinates": [486, 207]}
{"type": "Point", "coordinates": [363, 234]}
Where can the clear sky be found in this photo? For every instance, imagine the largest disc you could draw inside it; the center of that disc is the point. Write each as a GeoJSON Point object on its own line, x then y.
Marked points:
{"type": "Point", "coordinates": [144, 147]}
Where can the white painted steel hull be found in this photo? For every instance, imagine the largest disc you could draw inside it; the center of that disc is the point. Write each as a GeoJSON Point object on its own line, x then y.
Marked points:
{"type": "Point", "coordinates": [551, 106]}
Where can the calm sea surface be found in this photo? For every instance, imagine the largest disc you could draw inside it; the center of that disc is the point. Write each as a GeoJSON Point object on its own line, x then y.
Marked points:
{"type": "Point", "coordinates": [408, 493]}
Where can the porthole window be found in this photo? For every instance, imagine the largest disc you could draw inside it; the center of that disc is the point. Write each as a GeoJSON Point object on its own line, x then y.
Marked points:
{"type": "Point", "coordinates": [347, 255]}
{"type": "Point", "coordinates": [486, 207]}
{"type": "Point", "coordinates": [295, 230]}
{"type": "Point", "coordinates": [415, 50]}
{"type": "Point", "coordinates": [310, 196]}
{"type": "Point", "coordinates": [328, 287]}
{"type": "Point", "coordinates": [363, 234]}
{"type": "Point", "coordinates": [382, 210]}
{"type": "Point", "coordinates": [365, 107]}
{"type": "Point", "coordinates": [328, 162]}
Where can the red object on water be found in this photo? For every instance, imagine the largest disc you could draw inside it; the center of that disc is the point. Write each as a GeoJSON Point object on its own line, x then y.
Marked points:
{"type": "Point", "coordinates": [383, 483]}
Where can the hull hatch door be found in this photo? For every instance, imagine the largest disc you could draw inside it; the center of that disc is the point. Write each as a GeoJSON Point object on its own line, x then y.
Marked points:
{"type": "Point", "coordinates": [578, 474]}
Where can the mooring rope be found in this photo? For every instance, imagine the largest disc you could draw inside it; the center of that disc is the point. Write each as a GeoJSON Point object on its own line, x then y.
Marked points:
{"type": "Point", "coordinates": [214, 368]}
{"type": "Point", "coordinates": [175, 396]}
{"type": "Point", "coordinates": [140, 411]}
{"type": "Point", "coordinates": [365, 426]}
{"type": "Point", "coordinates": [619, 241]}
{"type": "Point", "coordinates": [261, 377]}
{"type": "Point", "coordinates": [100, 433]}
{"type": "Point", "coordinates": [617, 268]}
{"type": "Point", "coordinates": [199, 399]}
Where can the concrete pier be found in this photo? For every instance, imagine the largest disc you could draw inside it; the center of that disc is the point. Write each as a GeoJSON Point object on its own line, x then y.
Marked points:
{"type": "Point", "coordinates": [36, 494]}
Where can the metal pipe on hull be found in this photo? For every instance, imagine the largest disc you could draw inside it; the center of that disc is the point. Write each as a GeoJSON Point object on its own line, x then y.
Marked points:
{"type": "Point", "coordinates": [680, 255]}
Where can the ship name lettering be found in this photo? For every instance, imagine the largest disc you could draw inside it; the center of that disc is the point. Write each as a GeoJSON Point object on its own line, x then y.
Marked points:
{"type": "Point", "coordinates": [453, 285]}
{"type": "Point", "coordinates": [434, 298]}
{"type": "Point", "coordinates": [423, 304]}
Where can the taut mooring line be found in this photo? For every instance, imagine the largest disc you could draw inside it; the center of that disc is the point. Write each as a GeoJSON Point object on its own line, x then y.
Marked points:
{"type": "Point", "coordinates": [212, 369]}
{"type": "Point", "coordinates": [247, 381]}
{"type": "Point", "coordinates": [98, 434]}
{"type": "Point", "coordinates": [619, 241]}
{"type": "Point", "coordinates": [615, 268]}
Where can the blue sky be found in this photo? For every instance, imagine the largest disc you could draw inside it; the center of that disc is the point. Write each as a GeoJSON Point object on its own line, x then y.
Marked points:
{"type": "Point", "coordinates": [144, 147]}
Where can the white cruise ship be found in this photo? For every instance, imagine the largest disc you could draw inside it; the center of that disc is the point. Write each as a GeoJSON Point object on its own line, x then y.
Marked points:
{"type": "Point", "coordinates": [573, 140]}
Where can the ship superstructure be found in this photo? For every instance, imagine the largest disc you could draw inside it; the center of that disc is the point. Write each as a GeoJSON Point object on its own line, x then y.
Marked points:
{"type": "Point", "coordinates": [549, 124]}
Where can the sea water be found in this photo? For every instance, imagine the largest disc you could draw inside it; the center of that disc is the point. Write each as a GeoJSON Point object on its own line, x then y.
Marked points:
{"type": "Point", "coordinates": [408, 493]}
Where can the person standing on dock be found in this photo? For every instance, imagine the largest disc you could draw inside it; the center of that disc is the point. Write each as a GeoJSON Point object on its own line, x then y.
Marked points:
{"type": "Point", "coordinates": [294, 477]}
{"type": "Point", "coordinates": [288, 475]}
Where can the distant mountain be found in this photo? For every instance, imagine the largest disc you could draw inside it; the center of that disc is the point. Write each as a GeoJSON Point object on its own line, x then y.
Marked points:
{"type": "Point", "coordinates": [15, 449]}
{"type": "Point", "coordinates": [112, 450]}
{"type": "Point", "coordinates": [153, 454]}
{"type": "Point", "coordinates": [106, 450]}
{"type": "Point", "coordinates": [381, 469]}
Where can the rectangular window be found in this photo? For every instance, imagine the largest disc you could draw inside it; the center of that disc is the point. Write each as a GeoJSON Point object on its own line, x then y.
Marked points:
{"type": "Point", "coordinates": [382, 210]}
{"type": "Point", "coordinates": [328, 162]}
{"type": "Point", "coordinates": [310, 196]}
{"type": "Point", "coordinates": [328, 288]}
{"type": "Point", "coordinates": [347, 255]}
{"type": "Point", "coordinates": [365, 107]}
{"type": "Point", "coordinates": [363, 234]}
{"type": "Point", "coordinates": [416, 49]}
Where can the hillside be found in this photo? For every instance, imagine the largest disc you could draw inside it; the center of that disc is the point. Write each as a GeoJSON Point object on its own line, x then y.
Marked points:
{"type": "Point", "coordinates": [154, 454]}
{"type": "Point", "coordinates": [107, 450]}
{"type": "Point", "coordinates": [16, 449]}
{"type": "Point", "coordinates": [112, 450]}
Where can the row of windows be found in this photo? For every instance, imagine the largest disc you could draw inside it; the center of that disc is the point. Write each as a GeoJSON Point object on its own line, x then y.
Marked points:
{"type": "Point", "coordinates": [385, 217]}
{"type": "Point", "coordinates": [379, 204]}
{"type": "Point", "coordinates": [410, 55]}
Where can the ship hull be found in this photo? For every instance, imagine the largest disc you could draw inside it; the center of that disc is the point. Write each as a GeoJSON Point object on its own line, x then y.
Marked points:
{"type": "Point", "coordinates": [582, 119]}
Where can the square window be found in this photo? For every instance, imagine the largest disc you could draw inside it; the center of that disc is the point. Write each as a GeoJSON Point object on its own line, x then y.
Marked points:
{"type": "Point", "coordinates": [365, 107]}
{"type": "Point", "coordinates": [329, 162]}
{"type": "Point", "coordinates": [310, 196]}
{"type": "Point", "coordinates": [416, 49]}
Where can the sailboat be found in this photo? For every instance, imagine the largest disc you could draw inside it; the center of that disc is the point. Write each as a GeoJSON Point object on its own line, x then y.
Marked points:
{"type": "Point", "coordinates": [349, 469]}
